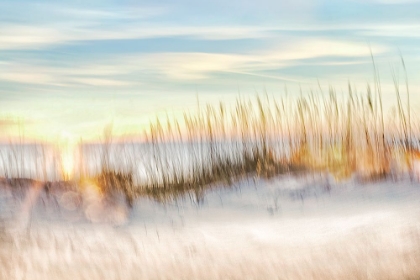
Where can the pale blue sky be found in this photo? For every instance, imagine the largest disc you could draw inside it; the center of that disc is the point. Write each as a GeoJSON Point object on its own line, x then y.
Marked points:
{"type": "Point", "coordinates": [71, 67]}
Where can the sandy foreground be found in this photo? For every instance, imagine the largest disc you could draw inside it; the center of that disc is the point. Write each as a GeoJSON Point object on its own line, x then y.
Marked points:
{"type": "Point", "coordinates": [285, 228]}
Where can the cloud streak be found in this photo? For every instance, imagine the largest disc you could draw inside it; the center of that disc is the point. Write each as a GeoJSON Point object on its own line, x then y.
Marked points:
{"type": "Point", "coordinates": [20, 37]}
{"type": "Point", "coordinates": [26, 37]}
{"type": "Point", "coordinates": [124, 70]}
{"type": "Point", "coordinates": [79, 75]}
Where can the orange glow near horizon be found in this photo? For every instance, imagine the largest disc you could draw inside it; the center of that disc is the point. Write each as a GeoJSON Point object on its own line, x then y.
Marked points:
{"type": "Point", "coordinates": [67, 163]}
{"type": "Point", "coordinates": [66, 149]}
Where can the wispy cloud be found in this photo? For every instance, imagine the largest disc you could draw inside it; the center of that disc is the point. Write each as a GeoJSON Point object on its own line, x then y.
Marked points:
{"type": "Point", "coordinates": [15, 37]}
{"type": "Point", "coordinates": [320, 47]}
{"type": "Point", "coordinates": [101, 82]}
{"type": "Point", "coordinates": [78, 75]}
{"type": "Point", "coordinates": [114, 13]}
{"type": "Point", "coordinates": [28, 78]}
{"type": "Point", "coordinates": [189, 66]}
{"type": "Point", "coordinates": [28, 37]}
{"type": "Point", "coordinates": [201, 65]}
{"type": "Point", "coordinates": [124, 70]}
{"type": "Point", "coordinates": [388, 30]}
{"type": "Point", "coordinates": [34, 37]}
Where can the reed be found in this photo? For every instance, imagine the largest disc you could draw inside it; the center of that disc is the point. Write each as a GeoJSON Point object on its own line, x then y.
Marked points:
{"type": "Point", "coordinates": [343, 135]}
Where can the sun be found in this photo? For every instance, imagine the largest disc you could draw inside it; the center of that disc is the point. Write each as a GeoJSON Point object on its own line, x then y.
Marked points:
{"type": "Point", "coordinates": [67, 164]}
{"type": "Point", "coordinates": [66, 150]}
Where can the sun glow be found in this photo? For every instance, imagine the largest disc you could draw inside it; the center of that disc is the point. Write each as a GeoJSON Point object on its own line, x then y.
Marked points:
{"type": "Point", "coordinates": [67, 162]}
{"type": "Point", "coordinates": [66, 149]}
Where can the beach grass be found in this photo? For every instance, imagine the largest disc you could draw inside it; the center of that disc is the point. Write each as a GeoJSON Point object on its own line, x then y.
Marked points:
{"type": "Point", "coordinates": [343, 135]}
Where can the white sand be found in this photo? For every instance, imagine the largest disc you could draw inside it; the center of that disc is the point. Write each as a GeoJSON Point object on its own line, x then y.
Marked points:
{"type": "Point", "coordinates": [281, 229]}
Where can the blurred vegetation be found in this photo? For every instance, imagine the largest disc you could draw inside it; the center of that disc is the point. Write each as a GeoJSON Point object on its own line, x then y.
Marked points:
{"type": "Point", "coordinates": [344, 135]}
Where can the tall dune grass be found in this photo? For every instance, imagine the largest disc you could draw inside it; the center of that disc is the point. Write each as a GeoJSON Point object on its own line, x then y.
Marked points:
{"type": "Point", "coordinates": [320, 131]}
{"type": "Point", "coordinates": [268, 136]}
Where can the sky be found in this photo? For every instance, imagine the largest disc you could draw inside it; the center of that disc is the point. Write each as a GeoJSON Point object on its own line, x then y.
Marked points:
{"type": "Point", "coordinates": [70, 68]}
